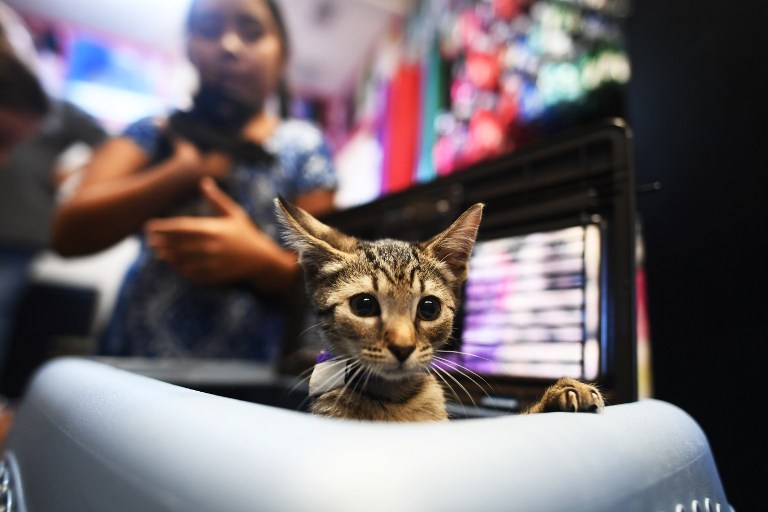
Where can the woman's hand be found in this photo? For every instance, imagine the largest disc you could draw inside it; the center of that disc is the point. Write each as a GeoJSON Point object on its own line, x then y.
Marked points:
{"type": "Point", "coordinates": [221, 249]}
{"type": "Point", "coordinates": [121, 189]}
{"type": "Point", "coordinates": [215, 164]}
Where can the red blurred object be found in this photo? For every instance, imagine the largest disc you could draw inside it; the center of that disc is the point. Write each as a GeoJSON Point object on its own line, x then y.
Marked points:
{"type": "Point", "coordinates": [507, 9]}
{"type": "Point", "coordinates": [483, 69]}
{"type": "Point", "coordinates": [486, 135]}
{"type": "Point", "coordinates": [508, 108]}
{"type": "Point", "coordinates": [403, 128]}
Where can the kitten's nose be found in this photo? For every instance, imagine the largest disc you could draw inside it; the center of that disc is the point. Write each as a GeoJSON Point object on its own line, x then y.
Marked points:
{"type": "Point", "coordinates": [401, 352]}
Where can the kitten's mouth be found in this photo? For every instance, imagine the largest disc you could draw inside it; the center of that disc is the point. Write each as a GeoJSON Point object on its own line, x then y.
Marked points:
{"type": "Point", "coordinates": [395, 372]}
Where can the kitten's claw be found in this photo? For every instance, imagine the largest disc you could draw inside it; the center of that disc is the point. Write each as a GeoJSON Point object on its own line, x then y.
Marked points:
{"type": "Point", "coordinates": [571, 401]}
{"type": "Point", "coordinates": [570, 395]}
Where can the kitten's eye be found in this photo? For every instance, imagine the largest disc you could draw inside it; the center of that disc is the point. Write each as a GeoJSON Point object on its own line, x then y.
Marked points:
{"type": "Point", "coordinates": [364, 304]}
{"type": "Point", "coordinates": [429, 308]}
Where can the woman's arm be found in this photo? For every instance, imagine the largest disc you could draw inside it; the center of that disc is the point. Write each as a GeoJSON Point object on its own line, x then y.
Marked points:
{"type": "Point", "coordinates": [317, 202]}
{"type": "Point", "coordinates": [229, 247]}
{"type": "Point", "coordinates": [119, 193]}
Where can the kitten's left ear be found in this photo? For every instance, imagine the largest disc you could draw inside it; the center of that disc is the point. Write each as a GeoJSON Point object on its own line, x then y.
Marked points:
{"type": "Point", "coordinates": [454, 245]}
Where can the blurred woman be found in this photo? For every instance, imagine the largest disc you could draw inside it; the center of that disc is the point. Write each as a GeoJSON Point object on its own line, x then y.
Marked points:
{"type": "Point", "coordinates": [198, 187]}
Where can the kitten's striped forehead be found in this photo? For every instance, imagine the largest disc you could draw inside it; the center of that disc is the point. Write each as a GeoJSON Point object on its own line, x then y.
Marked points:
{"type": "Point", "coordinates": [397, 261]}
{"type": "Point", "coordinates": [394, 261]}
{"type": "Point", "coordinates": [388, 266]}
{"type": "Point", "coordinates": [394, 273]}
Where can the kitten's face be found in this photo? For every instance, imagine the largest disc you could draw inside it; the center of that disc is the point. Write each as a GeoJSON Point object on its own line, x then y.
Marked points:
{"type": "Point", "coordinates": [386, 305]}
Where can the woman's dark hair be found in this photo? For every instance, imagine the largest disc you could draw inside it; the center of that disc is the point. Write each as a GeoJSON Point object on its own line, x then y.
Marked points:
{"type": "Point", "coordinates": [283, 93]}
{"type": "Point", "coordinates": [20, 89]}
{"type": "Point", "coordinates": [282, 29]}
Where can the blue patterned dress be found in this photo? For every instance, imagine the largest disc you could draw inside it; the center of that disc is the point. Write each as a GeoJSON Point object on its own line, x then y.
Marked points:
{"type": "Point", "coordinates": [161, 314]}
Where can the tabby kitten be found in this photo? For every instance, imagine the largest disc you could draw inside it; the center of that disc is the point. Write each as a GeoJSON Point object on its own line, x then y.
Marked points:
{"type": "Point", "coordinates": [385, 307]}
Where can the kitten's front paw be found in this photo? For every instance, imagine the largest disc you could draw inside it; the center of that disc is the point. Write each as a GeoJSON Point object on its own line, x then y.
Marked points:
{"type": "Point", "coordinates": [570, 395]}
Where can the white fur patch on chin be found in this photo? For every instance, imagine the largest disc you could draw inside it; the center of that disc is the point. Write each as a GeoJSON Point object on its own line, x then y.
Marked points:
{"type": "Point", "coordinates": [326, 376]}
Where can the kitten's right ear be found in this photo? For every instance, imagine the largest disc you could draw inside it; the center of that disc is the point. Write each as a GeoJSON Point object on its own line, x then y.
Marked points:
{"type": "Point", "coordinates": [315, 242]}
{"type": "Point", "coordinates": [454, 245]}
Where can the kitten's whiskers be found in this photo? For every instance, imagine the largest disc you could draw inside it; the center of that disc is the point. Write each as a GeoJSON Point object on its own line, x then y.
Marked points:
{"type": "Point", "coordinates": [463, 370]}
{"type": "Point", "coordinates": [437, 373]}
{"type": "Point", "coordinates": [309, 328]}
{"type": "Point", "coordinates": [306, 375]}
{"type": "Point", "coordinates": [458, 367]}
{"type": "Point", "coordinates": [442, 371]}
{"type": "Point", "coordinates": [442, 351]}
{"type": "Point", "coordinates": [350, 380]}
{"type": "Point", "coordinates": [301, 379]}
